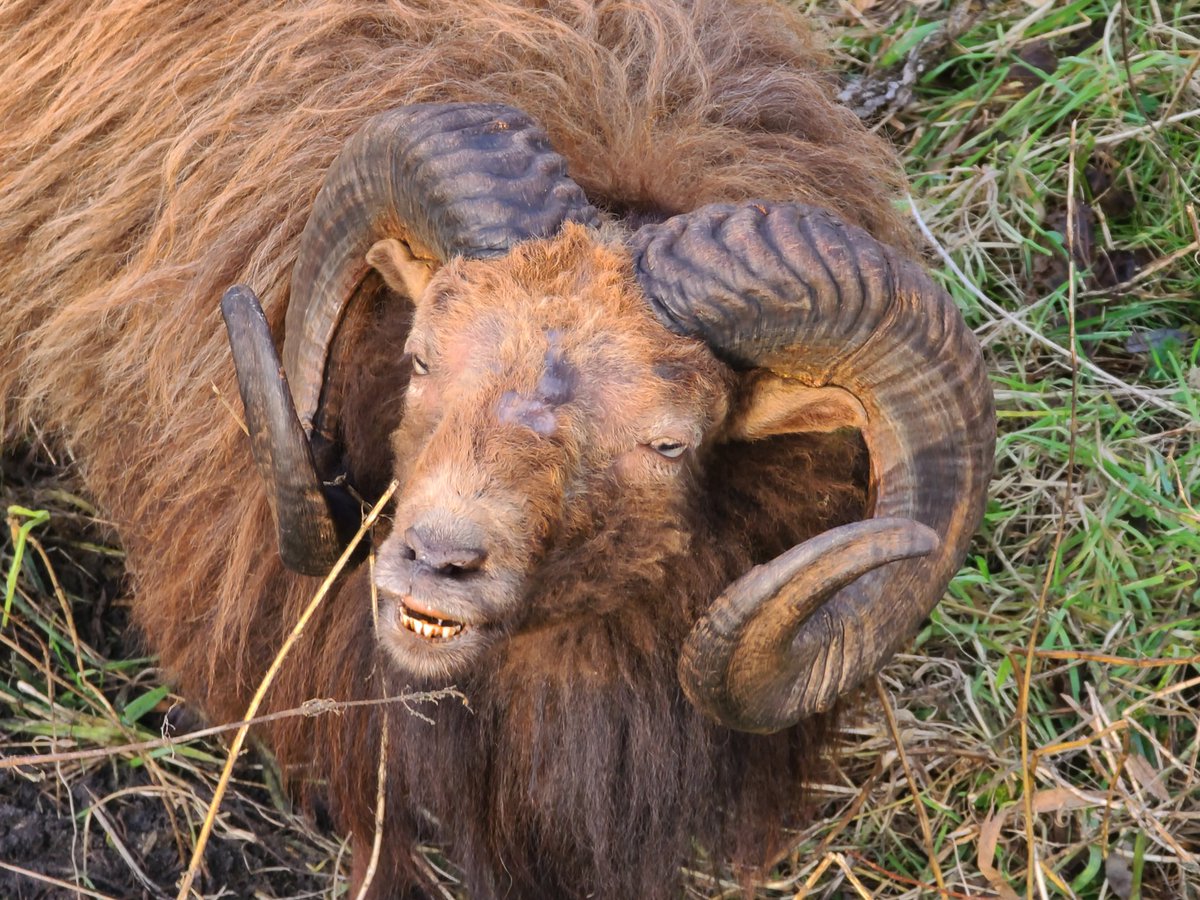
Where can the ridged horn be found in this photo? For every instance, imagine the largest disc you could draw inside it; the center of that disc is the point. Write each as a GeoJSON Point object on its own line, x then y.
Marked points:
{"type": "Point", "coordinates": [455, 179]}
{"type": "Point", "coordinates": [448, 179]}
{"type": "Point", "coordinates": [279, 445]}
{"type": "Point", "coordinates": [795, 290]}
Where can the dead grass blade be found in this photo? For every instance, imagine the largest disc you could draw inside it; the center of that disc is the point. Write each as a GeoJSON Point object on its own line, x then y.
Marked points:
{"type": "Point", "coordinates": [239, 738]}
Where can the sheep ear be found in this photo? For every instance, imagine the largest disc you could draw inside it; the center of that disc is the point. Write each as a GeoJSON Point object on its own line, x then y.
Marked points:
{"type": "Point", "coordinates": [401, 271]}
{"type": "Point", "coordinates": [774, 404]}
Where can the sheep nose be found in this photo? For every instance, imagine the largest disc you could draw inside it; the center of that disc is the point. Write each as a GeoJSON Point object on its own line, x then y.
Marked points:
{"type": "Point", "coordinates": [444, 554]}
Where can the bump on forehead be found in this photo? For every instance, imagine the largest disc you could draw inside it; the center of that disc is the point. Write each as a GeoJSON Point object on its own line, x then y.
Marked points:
{"type": "Point", "coordinates": [527, 412]}
{"type": "Point", "coordinates": [559, 374]}
{"type": "Point", "coordinates": [555, 388]}
{"type": "Point", "coordinates": [576, 291]}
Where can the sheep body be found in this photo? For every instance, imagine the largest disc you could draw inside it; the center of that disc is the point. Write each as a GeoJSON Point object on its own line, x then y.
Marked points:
{"type": "Point", "coordinates": [158, 154]}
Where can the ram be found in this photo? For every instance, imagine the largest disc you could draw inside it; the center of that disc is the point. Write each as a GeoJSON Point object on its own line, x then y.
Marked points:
{"type": "Point", "coordinates": [687, 444]}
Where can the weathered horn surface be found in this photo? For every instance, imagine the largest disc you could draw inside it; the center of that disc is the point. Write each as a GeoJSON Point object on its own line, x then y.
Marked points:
{"type": "Point", "coordinates": [446, 180]}
{"type": "Point", "coordinates": [309, 539]}
{"type": "Point", "coordinates": [795, 290]}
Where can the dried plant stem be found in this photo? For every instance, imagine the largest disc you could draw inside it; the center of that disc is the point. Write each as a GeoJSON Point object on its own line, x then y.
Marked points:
{"type": "Point", "coordinates": [310, 708]}
{"type": "Point", "coordinates": [1028, 757]}
{"type": "Point", "coordinates": [239, 738]}
{"type": "Point", "coordinates": [926, 831]}
{"type": "Point", "coordinates": [74, 889]}
{"type": "Point", "coordinates": [1119, 136]}
{"type": "Point", "coordinates": [380, 805]}
{"type": "Point", "coordinates": [381, 775]}
{"type": "Point", "coordinates": [1108, 659]}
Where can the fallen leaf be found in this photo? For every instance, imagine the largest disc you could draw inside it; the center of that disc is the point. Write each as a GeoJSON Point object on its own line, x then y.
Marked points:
{"type": "Point", "coordinates": [1061, 800]}
{"type": "Point", "coordinates": [989, 837]}
{"type": "Point", "coordinates": [1143, 773]}
{"type": "Point", "coordinates": [1119, 875]}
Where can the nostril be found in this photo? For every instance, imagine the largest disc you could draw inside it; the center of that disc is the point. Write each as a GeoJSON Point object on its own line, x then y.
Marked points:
{"type": "Point", "coordinates": [461, 562]}
{"type": "Point", "coordinates": [445, 556]}
{"type": "Point", "coordinates": [414, 547]}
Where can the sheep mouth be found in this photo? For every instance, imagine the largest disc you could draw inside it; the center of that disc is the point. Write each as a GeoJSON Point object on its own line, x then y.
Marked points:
{"type": "Point", "coordinates": [428, 625]}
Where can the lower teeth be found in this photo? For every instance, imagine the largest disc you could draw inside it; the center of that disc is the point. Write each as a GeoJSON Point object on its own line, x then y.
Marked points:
{"type": "Point", "coordinates": [429, 629]}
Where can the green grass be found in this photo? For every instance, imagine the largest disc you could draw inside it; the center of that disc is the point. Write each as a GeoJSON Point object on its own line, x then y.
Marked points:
{"type": "Point", "coordinates": [1091, 545]}
{"type": "Point", "coordinates": [1071, 773]}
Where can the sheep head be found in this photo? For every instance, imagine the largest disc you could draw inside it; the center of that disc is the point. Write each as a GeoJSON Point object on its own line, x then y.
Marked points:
{"type": "Point", "coordinates": [543, 389]}
{"type": "Point", "coordinates": [554, 360]}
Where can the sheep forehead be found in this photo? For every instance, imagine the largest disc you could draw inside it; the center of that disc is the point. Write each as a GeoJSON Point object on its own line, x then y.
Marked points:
{"type": "Point", "coordinates": [561, 322]}
{"type": "Point", "coordinates": [577, 290]}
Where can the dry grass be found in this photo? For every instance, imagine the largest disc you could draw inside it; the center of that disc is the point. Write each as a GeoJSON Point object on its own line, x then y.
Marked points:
{"type": "Point", "coordinates": [70, 682]}
{"type": "Point", "coordinates": [1042, 737]}
{"type": "Point", "coordinates": [1049, 714]}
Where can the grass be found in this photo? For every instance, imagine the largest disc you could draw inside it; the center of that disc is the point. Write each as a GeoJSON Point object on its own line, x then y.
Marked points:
{"type": "Point", "coordinates": [70, 681]}
{"type": "Point", "coordinates": [1043, 735]}
{"type": "Point", "coordinates": [1049, 711]}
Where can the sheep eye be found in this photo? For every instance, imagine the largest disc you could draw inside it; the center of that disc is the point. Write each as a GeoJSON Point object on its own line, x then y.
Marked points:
{"type": "Point", "coordinates": [668, 448]}
{"type": "Point", "coordinates": [420, 367]}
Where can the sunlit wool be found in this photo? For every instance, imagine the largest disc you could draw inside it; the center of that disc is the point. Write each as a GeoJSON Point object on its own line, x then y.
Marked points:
{"type": "Point", "coordinates": [156, 153]}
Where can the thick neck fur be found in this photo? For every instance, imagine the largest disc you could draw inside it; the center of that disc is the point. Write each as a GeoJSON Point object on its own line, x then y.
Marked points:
{"type": "Point", "coordinates": [576, 767]}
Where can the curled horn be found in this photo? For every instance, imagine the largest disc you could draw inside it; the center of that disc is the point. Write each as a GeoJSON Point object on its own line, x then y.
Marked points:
{"type": "Point", "coordinates": [447, 180]}
{"type": "Point", "coordinates": [280, 446]}
{"type": "Point", "coordinates": [794, 290]}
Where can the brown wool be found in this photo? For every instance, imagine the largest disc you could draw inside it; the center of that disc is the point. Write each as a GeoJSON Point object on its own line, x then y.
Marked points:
{"type": "Point", "coordinates": [155, 153]}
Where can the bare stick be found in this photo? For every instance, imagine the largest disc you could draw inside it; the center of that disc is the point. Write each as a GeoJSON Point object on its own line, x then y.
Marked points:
{"type": "Point", "coordinates": [75, 889]}
{"type": "Point", "coordinates": [239, 738]}
{"type": "Point", "coordinates": [315, 707]}
{"type": "Point", "coordinates": [381, 776]}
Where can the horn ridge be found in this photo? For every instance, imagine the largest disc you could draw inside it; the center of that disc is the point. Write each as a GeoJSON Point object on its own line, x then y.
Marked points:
{"type": "Point", "coordinates": [796, 290]}
{"type": "Point", "coordinates": [449, 179]}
